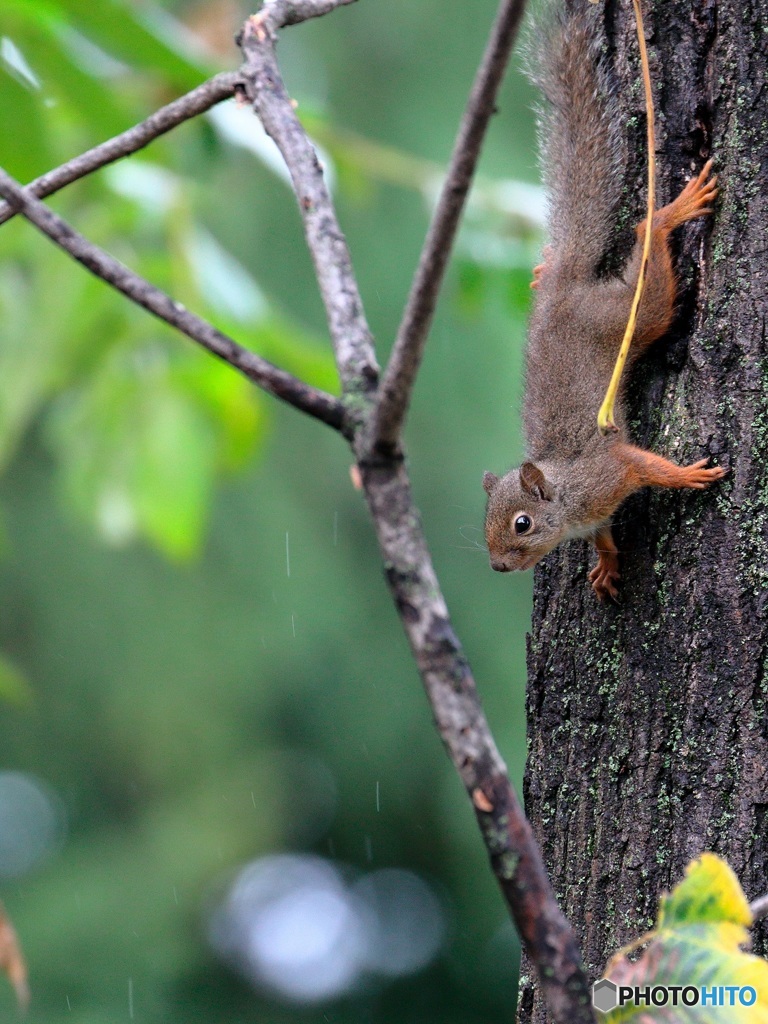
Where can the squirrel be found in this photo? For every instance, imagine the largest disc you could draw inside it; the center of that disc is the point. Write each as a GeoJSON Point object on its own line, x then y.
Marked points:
{"type": "Point", "coordinates": [573, 478]}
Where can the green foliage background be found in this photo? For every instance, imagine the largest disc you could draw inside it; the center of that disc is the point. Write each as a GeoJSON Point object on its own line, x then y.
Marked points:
{"type": "Point", "coordinates": [192, 611]}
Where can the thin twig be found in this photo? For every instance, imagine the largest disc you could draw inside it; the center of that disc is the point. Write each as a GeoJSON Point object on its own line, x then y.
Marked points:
{"type": "Point", "coordinates": [205, 96]}
{"type": "Point", "coordinates": [355, 356]}
{"type": "Point", "coordinates": [400, 374]}
{"type": "Point", "coordinates": [292, 12]}
{"type": "Point", "coordinates": [759, 908]}
{"type": "Point", "coordinates": [272, 379]}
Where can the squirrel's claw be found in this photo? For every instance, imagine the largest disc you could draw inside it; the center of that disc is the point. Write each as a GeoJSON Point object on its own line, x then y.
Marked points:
{"type": "Point", "coordinates": [603, 579]}
{"type": "Point", "coordinates": [699, 476]}
{"type": "Point", "coordinates": [539, 269]}
{"type": "Point", "coordinates": [694, 201]}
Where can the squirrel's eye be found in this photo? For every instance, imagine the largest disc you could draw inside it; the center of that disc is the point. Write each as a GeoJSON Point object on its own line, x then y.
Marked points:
{"type": "Point", "coordinates": [523, 524]}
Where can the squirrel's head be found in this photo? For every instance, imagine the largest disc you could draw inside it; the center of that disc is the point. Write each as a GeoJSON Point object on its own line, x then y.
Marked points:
{"type": "Point", "coordinates": [523, 520]}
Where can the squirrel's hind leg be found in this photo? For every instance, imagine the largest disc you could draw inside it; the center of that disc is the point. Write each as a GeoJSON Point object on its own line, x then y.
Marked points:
{"type": "Point", "coordinates": [605, 575]}
{"type": "Point", "coordinates": [657, 306]}
{"type": "Point", "coordinates": [694, 201]}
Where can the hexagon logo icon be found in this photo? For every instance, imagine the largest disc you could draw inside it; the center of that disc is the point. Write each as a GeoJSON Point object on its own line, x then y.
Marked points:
{"type": "Point", "coordinates": [604, 996]}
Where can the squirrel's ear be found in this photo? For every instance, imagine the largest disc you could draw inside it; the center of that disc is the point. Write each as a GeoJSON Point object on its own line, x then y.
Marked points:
{"type": "Point", "coordinates": [534, 482]}
{"type": "Point", "coordinates": [489, 482]}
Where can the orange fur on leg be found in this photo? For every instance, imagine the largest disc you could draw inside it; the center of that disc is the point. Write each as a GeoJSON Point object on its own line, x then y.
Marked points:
{"type": "Point", "coordinates": [646, 469]}
{"type": "Point", "coordinates": [606, 573]}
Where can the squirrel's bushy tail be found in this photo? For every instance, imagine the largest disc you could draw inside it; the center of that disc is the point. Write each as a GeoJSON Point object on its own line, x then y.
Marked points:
{"type": "Point", "coordinates": [580, 137]}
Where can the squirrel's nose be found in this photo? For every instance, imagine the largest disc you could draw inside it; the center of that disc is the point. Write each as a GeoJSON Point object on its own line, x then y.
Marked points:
{"type": "Point", "coordinates": [498, 566]}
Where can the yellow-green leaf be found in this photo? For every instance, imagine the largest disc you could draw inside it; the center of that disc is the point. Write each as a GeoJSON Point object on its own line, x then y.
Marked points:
{"type": "Point", "coordinates": [697, 945]}
{"type": "Point", "coordinates": [710, 891]}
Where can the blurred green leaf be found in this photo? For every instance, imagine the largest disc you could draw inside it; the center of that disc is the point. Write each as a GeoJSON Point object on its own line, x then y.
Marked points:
{"type": "Point", "coordinates": [472, 286]}
{"type": "Point", "coordinates": [51, 317]}
{"type": "Point", "coordinates": [22, 115]}
{"type": "Point", "coordinates": [172, 476]}
{"type": "Point", "coordinates": [518, 292]}
{"type": "Point", "coordinates": [14, 685]}
{"type": "Point", "coordinates": [142, 36]}
{"type": "Point", "coordinates": [140, 445]}
{"type": "Point", "coordinates": [232, 403]}
{"type": "Point", "coordinates": [67, 96]}
{"type": "Point", "coordinates": [283, 343]}
{"type": "Point", "coordinates": [145, 423]}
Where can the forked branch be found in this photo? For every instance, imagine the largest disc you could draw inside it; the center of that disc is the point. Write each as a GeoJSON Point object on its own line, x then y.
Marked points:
{"type": "Point", "coordinates": [445, 672]}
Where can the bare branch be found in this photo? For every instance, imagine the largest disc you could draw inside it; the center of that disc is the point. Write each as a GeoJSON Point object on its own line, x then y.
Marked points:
{"type": "Point", "coordinates": [163, 120]}
{"type": "Point", "coordinates": [448, 681]}
{"type": "Point", "coordinates": [272, 379]}
{"type": "Point", "coordinates": [515, 858]}
{"type": "Point", "coordinates": [450, 687]}
{"type": "Point", "coordinates": [353, 345]}
{"type": "Point", "coordinates": [291, 12]}
{"type": "Point", "coordinates": [759, 908]}
{"type": "Point", "coordinates": [400, 375]}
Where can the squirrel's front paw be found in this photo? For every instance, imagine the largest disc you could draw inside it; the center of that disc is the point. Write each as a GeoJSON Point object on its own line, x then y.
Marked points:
{"type": "Point", "coordinates": [604, 579]}
{"type": "Point", "coordinates": [699, 476]}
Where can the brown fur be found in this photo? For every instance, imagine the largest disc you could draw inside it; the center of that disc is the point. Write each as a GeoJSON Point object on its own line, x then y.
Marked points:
{"type": "Point", "coordinates": [574, 479]}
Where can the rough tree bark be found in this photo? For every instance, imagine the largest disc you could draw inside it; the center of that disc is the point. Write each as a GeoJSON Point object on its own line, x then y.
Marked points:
{"type": "Point", "coordinates": [648, 721]}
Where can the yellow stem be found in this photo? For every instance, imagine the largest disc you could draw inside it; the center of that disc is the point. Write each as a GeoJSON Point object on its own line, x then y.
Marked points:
{"type": "Point", "coordinates": [605, 420]}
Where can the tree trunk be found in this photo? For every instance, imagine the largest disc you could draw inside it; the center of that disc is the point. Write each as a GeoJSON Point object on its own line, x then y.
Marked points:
{"type": "Point", "coordinates": [647, 720]}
